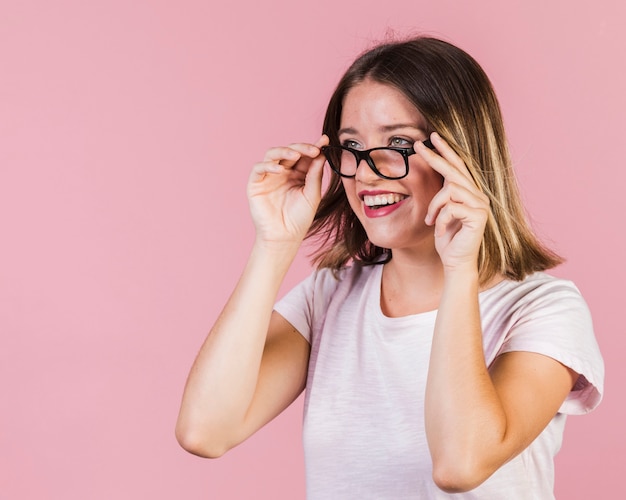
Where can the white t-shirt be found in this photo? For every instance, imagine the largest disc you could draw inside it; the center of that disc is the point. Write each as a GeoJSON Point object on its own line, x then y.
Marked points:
{"type": "Point", "coordinates": [364, 435]}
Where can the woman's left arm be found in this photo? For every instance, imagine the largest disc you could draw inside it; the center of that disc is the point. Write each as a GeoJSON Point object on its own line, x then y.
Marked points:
{"type": "Point", "coordinates": [477, 419]}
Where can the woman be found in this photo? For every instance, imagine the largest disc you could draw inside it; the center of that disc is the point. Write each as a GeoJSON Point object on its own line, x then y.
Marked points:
{"type": "Point", "coordinates": [436, 354]}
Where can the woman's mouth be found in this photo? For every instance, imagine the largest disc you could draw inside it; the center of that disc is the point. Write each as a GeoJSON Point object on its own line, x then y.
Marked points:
{"type": "Point", "coordinates": [376, 201]}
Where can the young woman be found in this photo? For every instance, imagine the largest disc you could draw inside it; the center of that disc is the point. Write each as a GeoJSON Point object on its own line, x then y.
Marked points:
{"type": "Point", "coordinates": [437, 356]}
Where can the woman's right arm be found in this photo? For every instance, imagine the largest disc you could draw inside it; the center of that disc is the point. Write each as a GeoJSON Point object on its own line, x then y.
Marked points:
{"type": "Point", "coordinates": [253, 363]}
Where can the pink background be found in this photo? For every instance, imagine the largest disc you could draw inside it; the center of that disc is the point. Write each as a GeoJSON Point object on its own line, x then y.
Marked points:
{"type": "Point", "coordinates": [127, 130]}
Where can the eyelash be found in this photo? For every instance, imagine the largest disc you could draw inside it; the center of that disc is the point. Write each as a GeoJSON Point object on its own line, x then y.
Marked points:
{"type": "Point", "coordinates": [350, 144]}
{"type": "Point", "coordinates": [405, 143]}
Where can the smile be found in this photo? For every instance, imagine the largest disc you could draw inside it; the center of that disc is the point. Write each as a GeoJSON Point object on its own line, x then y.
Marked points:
{"type": "Point", "coordinates": [381, 200]}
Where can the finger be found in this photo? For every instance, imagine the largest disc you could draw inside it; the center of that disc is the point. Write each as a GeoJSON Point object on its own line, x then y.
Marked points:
{"type": "Point", "coordinates": [306, 149]}
{"type": "Point", "coordinates": [296, 149]}
{"type": "Point", "coordinates": [289, 156]}
{"type": "Point", "coordinates": [313, 183]}
{"type": "Point", "coordinates": [311, 151]}
{"type": "Point", "coordinates": [323, 141]}
{"type": "Point", "coordinates": [278, 158]}
{"type": "Point", "coordinates": [448, 153]}
{"type": "Point", "coordinates": [284, 155]}
{"type": "Point", "coordinates": [261, 169]}
{"type": "Point", "coordinates": [457, 215]}
{"type": "Point", "coordinates": [447, 219]}
{"type": "Point", "coordinates": [443, 166]}
{"type": "Point", "coordinates": [455, 193]}
{"type": "Point", "coordinates": [445, 161]}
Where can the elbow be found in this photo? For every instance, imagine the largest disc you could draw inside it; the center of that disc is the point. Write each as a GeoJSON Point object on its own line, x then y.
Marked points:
{"type": "Point", "coordinates": [458, 476]}
{"type": "Point", "coordinates": [199, 443]}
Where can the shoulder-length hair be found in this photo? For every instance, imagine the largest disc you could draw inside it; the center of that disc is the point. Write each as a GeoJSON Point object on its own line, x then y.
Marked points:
{"type": "Point", "coordinates": [455, 96]}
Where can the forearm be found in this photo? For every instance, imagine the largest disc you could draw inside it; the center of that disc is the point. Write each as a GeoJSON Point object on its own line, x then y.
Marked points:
{"type": "Point", "coordinates": [223, 378]}
{"type": "Point", "coordinates": [465, 421]}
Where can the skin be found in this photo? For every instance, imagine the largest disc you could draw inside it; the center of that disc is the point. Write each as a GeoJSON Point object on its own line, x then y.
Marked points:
{"type": "Point", "coordinates": [253, 366]}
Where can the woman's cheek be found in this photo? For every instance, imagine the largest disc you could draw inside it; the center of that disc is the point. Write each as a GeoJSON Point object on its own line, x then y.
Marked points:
{"type": "Point", "coordinates": [350, 190]}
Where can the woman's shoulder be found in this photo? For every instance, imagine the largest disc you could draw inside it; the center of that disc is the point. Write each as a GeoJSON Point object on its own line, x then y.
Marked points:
{"type": "Point", "coordinates": [538, 304]}
{"type": "Point", "coordinates": [346, 275]}
{"type": "Point", "coordinates": [324, 282]}
{"type": "Point", "coordinates": [548, 315]}
{"type": "Point", "coordinates": [539, 286]}
{"type": "Point", "coordinates": [308, 303]}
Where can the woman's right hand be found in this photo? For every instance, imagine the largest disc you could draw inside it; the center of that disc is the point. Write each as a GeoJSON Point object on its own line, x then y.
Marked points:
{"type": "Point", "coordinates": [284, 191]}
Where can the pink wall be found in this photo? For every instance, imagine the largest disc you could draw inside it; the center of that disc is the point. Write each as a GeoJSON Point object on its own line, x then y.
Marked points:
{"type": "Point", "coordinates": [127, 130]}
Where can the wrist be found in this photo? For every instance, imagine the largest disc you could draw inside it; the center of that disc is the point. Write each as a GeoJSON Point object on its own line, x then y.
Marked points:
{"type": "Point", "coordinates": [276, 255]}
{"type": "Point", "coordinates": [277, 248]}
{"type": "Point", "coordinates": [461, 276]}
{"type": "Point", "coordinates": [267, 266]}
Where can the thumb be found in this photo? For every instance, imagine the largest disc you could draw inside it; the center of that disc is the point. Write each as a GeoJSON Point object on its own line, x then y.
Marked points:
{"type": "Point", "coordinates": [313, 183]}
{"type": "Point", "coordinates": [323, 141]}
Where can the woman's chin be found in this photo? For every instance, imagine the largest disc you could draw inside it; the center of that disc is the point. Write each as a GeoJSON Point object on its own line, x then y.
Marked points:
{"type": "Point", "coordinates": [424, 241]}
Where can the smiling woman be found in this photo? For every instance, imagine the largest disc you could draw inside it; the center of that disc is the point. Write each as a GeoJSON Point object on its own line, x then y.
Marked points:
{"type": "Point", "coordinates": [436, 354]}
{"type": "Point", "coordinates": [390, 208]}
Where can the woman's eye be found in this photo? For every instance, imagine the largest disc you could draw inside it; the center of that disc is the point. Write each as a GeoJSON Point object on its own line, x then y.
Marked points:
{"type": "Point", "coordinates": [351, 144]}
{"type": "Point", "coordinates": [400, 142]}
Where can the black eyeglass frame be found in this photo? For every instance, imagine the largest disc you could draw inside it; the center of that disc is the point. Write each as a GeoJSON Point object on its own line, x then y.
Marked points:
{"type": "Point", "coordinates": [365, 155]}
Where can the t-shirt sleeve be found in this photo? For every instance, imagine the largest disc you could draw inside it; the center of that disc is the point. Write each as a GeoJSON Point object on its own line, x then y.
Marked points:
{"type": "Point", "coordinates": [305, 304]}
{"type": "Point", "coordinates": [555, 321]}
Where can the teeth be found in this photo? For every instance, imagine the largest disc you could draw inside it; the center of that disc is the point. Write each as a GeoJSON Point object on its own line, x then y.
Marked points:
{"type": "Point", "coordinates": [382, 199]}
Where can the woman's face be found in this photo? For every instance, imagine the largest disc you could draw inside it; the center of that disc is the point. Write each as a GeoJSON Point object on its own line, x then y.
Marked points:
{"type": "Point", "coordinates": [391, 211]}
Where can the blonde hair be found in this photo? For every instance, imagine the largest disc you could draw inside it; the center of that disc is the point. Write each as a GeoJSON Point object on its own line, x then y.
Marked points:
{"type": "Point", "coordinates": [456, 98]}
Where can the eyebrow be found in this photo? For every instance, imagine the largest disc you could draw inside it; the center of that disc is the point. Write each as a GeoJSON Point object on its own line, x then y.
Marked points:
{"type": "Point", "coordinates": [384, 128]}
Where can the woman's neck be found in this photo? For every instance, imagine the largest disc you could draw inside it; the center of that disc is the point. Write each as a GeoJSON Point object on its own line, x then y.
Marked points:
{"type": "Point", "coordinates": [411, 283]}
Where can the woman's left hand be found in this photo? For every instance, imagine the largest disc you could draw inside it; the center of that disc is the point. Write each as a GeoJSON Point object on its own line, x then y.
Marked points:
{"type": "Point", "coordinates": [459, 211]}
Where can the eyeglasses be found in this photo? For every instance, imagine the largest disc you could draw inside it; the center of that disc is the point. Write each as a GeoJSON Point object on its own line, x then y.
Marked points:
{"type": "Point", "coordinates": [388, 163]}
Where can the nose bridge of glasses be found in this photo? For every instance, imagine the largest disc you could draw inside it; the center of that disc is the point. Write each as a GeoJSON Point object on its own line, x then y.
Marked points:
{"type": "Point", "coordinates": [363, 155]}
{"type": "Point", "coordinates": [359, 156]}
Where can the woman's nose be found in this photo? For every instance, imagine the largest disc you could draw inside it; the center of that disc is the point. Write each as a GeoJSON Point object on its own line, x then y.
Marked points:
{"type": "Point", "coordinates": [365, 173]}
